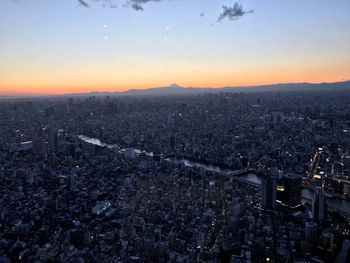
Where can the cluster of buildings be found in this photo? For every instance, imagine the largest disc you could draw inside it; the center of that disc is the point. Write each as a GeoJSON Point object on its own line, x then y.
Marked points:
{"type": "Point", "coordinates": [130, 179]}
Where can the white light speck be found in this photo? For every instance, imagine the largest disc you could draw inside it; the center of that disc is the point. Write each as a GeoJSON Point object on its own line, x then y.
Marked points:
{"type": "Point", "coordinates": [165, 39]}
{"type": "Point", "coordinates": [106, 37]}
{"type": "Point", "coordinates": [104, 26]}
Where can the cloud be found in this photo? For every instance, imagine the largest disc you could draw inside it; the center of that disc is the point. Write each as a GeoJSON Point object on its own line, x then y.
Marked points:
{"type": "Point", "coordinates": [233, 13]}
{"type": "Point", "coordinates": [137, 4]}
{"type": "Point", "coordinates": [106, 3]}
{"type": "Point", "coordinates": [83, 3]}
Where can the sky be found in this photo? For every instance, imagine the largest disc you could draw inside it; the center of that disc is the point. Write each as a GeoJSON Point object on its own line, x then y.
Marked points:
{"type": "Point", "coordinates": [72, 46]}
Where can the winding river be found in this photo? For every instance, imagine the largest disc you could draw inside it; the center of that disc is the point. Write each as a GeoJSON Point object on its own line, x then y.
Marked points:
{"type": "Point", "coordinates": [307, 195]}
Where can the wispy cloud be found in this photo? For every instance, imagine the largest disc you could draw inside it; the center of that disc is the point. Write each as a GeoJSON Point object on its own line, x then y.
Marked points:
{"type": "Point", "coordinates": [138, 4]}
{"type": "Point", "coordinates": [83, 3]}
{"type": "Point", "coordinates": [233, 13]}
{"type": "Point", "coordinates": [135, 4]}
{"type": "Point", "coordinates": [229, 12]}
{"type": "Point", "coordinates": [106, 3]}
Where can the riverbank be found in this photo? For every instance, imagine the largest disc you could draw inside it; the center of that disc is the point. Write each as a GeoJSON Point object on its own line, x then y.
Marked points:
{"type": "Point", "coordinates": [333, 202]}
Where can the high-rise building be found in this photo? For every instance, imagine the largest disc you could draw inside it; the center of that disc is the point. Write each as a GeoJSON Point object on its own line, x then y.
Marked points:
{"type": "Point", "coordinates": [319, 204]}
{"type": "Point", "coordinates": [289, 190]}
{"type": "Point", "coordinates": [53, 140]}
{"type": "Point", "coordinates": [38, 142]}
{"type": "Point", "coordinates": [268, 192]}
{"type": "Point", "coordinates": [344, 254]}
{"type": "Point", "coordinates": [328, 240]}
{"type": "Point", "coordinates": [73, 182]}
{"type": "Point", "coordinates": [310, 231]}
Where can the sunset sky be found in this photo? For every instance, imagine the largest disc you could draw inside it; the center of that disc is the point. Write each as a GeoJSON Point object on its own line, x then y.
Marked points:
{"type": "Point", "coordinates": [61, 46]}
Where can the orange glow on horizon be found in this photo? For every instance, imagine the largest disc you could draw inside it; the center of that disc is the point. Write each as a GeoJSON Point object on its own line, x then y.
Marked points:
{"type": "Point", "coordinates": [61, 48]}
{"type": "Point", "coordinates": [58, 83]}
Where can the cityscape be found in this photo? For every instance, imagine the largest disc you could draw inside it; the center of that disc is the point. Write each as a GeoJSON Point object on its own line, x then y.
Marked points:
{"type": "Point", "coordinates": [211, 177]}
{"type": "Point", "coordinates": [172, 131]}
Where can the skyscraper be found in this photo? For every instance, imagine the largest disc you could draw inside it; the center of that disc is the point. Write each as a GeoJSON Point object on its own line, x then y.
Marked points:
{"type": "Point", "coordinates": [38, 142]}
{"type": "Point", "coordinates": [53, 140]}
{"type": "Point", "coordinates": [289, 191]}
{"type": "Point", "coordinates": [319, 204]}
{"type": "Point", "coordinates": [268, 192]}
{"type": "Point", "coordinates": [310, 231]}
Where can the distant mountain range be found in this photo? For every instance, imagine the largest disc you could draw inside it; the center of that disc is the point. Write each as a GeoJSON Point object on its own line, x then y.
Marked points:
{"type": "Point", "coordinates": [175, 89]}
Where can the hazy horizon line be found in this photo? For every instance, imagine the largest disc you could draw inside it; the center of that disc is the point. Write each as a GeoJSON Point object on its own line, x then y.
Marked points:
{"type": "Point", "coordinates": [19, 95]}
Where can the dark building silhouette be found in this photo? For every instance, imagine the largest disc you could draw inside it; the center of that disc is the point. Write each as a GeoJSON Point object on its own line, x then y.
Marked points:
{"type": "Point", "coordinates": [268, 192]}
{"type": "Point", "coordinates": [53, 140]}
{"type": "Point", "coordinates": [289, 190]}
{"type": "Point", "coordinates": [319, 204]}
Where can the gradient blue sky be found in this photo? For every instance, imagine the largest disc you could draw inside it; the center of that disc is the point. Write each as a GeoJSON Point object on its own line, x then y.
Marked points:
{"type": "Point", "coordinates": [57, 46]}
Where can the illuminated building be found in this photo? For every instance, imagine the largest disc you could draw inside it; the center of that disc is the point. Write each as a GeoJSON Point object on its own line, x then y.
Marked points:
{"type": "Point", "coordinates": [289, 190]}
{"type": "Point", "coordinates": [101, 207]}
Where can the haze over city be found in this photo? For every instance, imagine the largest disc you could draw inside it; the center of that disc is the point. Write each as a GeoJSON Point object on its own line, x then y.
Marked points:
{"type": "Point", "coordinates": [175, 131]}
{"type": "Point", "coordinates": [70, 46]}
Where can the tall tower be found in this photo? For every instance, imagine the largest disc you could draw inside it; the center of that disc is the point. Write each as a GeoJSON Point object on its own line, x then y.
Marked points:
{"type": "Point", "coordinates": [39, 142]}
{"type": "Point", "coordinates": [319, 204]}
{"type": "Point", "coordinates": [289, 193]}
{"type": "Point", "coordinates": [310, 231]}
{"type": "Point", "coordinates": [53, 140]}
{"type": "Point", "coordinates": [268, 192]}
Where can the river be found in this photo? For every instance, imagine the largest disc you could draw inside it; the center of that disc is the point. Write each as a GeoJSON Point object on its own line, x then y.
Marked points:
{"type": "Point", "coordinates": [306, 195]}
